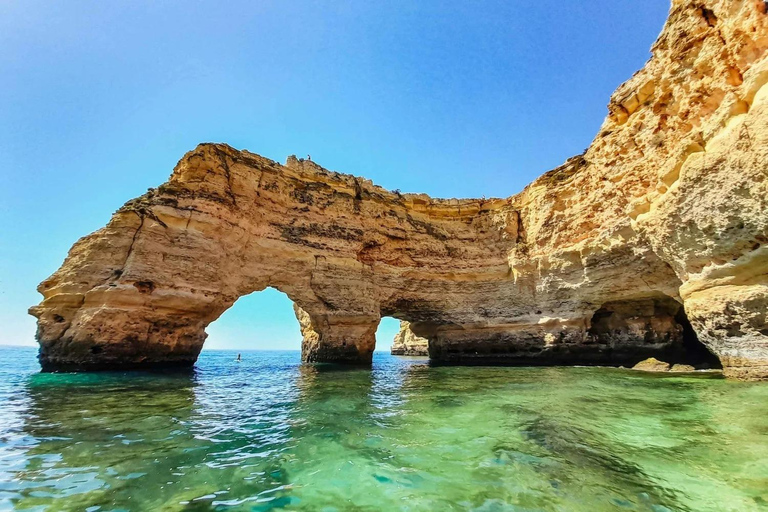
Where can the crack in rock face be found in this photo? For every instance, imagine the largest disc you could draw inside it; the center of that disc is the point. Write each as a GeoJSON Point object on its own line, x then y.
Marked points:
{"type": "Point", "coordinates": [592, 263]}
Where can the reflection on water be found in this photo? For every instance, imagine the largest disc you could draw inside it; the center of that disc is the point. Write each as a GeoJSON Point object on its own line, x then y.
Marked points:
{"type": "Point", "coordinates": [272, 434]}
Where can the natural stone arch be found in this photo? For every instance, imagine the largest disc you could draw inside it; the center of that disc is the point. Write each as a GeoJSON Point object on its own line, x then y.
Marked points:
{"type": "Point", "coordinates": [263, 320]}
{"type": "Point", "coordinates": [670, 198]}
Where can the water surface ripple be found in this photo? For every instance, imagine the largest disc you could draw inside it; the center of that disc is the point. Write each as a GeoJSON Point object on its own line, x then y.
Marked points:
{"type": "Point", "coordinates": [272, 434]}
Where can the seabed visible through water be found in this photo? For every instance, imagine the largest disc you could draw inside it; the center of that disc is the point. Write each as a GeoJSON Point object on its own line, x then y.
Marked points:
{"type": "Point", "coordinates": [270, 433]}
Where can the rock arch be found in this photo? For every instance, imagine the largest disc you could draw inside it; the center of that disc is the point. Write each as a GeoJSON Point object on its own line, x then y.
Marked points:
{"type": "Point", "coordinates": [670, 198]}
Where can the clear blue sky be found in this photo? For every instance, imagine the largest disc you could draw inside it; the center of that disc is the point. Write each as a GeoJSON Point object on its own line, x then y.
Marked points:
{"type": "Point", "coordinates": [99, 100]}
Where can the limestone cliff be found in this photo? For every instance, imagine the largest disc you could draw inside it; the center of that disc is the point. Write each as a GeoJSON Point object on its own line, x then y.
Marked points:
{"type": "Point", "coordinates": [655, 236]}
{"type": "Point", "coordinates": [408, 344]}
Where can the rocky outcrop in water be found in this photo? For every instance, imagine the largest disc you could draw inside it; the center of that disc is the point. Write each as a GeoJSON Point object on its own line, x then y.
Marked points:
{"type": "Point", "coordinates": [650, 243]}
{"type": "Point", "coordinates": [408, 344]}
{"type": "Point", "coordinates": [652, 365]}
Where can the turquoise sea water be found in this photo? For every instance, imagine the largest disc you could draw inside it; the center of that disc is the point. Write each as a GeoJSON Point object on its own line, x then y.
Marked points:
{"type": "Point", "coordinates": [272, 434]}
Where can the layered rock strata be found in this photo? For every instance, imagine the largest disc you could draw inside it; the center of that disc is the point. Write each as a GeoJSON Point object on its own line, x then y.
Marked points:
{"type": "Point", "coordinates": [653, 238]}
{"type": "Point", "coordinates": [408, 344]}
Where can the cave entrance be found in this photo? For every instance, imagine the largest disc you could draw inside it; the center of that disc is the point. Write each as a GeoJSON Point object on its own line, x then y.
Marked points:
{"type": "Point", "coordinates": [695, 352]}
{"type": "Point", "coordinates": [386, 333]}
{"type": "Point", "coordinates": [263, 320]}
{"type": "Point", "coordinates": [632, 330]}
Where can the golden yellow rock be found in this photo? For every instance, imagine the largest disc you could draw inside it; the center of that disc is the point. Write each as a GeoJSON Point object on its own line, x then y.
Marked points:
{"type": "Point", "coordinates": [655, 235]}
{"type": "Point", "coordinates": [408, 344]}
{"type": "Point", "coordinates": [652, 365]}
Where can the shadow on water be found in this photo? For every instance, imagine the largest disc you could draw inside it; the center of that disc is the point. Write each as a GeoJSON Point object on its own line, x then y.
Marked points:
{"type": "Point", "coordinates": [224, 436]}
{"type": "Point", "coordinates": [90, 440]}
{"type": "Point", "coordinates": [82, 433]}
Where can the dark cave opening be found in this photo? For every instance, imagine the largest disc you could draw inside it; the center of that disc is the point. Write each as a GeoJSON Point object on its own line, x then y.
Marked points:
{"type": "Point", "coordinates": [695, 352]}
{"type": "Point", "coordinates": [632, 330]}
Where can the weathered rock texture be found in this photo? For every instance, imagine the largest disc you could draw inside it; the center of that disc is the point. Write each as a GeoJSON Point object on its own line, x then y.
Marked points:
{"type": "Point", "coordinates": [408, 344]}
{"type": "Point", "coordinates": [652, 365]}
{"type": "Point", "coordinates": [591, 263]}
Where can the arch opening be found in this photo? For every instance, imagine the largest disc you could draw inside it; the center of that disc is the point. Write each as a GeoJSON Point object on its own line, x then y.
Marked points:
{"type": "Point", "coordinates": [261, 320]}
{"type": "Point", "coordinates": [386, 334]}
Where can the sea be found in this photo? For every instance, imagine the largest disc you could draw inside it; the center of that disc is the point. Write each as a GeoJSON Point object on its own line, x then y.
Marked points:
{"type": "Point", "coordinates": [271, 433]}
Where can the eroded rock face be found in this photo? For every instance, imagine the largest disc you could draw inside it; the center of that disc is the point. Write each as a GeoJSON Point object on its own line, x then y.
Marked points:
{"type": "Point", "coordinates": [408, 344]}
{"type": "Point", "coordinates": [586, 265]}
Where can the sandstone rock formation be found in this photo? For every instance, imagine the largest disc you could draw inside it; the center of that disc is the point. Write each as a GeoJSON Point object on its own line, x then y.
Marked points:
{"type": "Point", "coordinates": [682, 368]}
{"type": "Point", "coordinates": [654, 236]}
{"type": "Point", "coordinates": [408, 344]}
{"type": "Point", "coordinates": [652, 365]}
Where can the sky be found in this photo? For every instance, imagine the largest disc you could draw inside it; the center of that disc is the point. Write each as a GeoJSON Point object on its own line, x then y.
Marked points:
{"type": "Point", "coordinates": [99, 100]}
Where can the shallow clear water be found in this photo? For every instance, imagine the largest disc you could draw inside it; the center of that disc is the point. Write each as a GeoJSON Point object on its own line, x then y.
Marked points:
{"type": "Point", "coordinates": [272, 434]}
